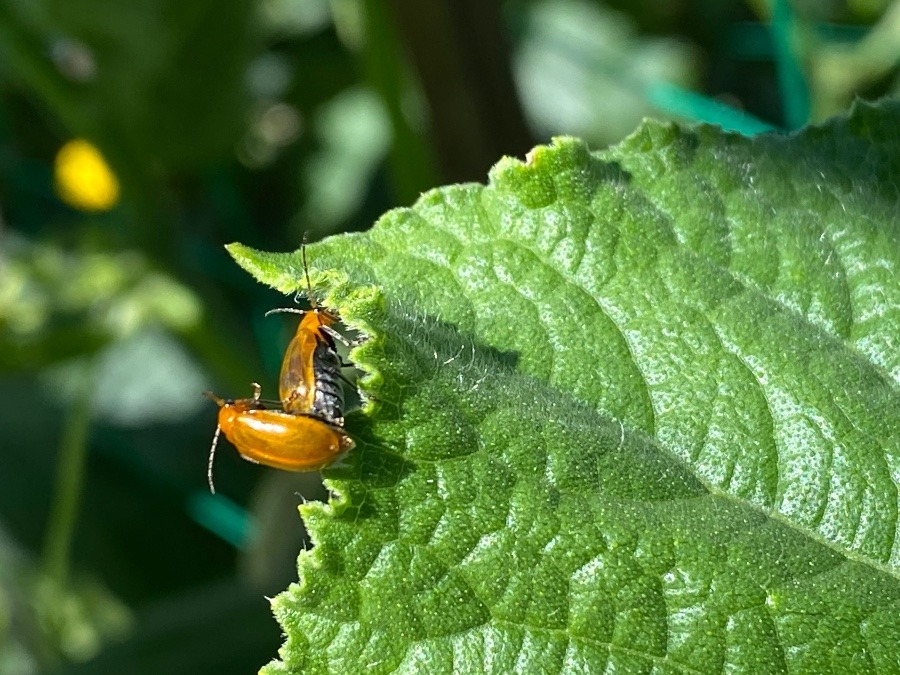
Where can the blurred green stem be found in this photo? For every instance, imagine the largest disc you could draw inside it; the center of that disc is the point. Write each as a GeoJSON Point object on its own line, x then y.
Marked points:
{"type": "Point", "coordinates": [411, 166]}
{"type": "Point", "coordinates": [840, 69]}
{"type": "Point", "coordinates": [791, 78]}
{"type": "Point", "coordinates": [458, 48]}
{"type": "Point", "coordinates": [69, 477]}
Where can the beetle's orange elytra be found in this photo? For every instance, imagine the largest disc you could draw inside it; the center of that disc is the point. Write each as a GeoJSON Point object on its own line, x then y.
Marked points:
{"type": "Point", "coordinates": [282, 440]}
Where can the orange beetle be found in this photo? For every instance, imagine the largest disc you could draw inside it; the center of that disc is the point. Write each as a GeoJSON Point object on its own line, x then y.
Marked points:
{"type": "Point", "coordinates": [309, 383]}
{"type": "Point", "coordinates": [275, 438]}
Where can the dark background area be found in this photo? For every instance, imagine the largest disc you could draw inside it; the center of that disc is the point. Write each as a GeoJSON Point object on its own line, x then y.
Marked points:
{"type": "Point", "coordinates": [260, 121]}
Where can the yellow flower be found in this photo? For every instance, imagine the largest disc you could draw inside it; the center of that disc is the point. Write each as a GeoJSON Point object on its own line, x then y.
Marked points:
{"type": "Point", "coordinates": [83, 178]}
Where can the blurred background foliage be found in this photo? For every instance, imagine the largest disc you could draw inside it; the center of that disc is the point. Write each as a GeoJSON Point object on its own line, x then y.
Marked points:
{"type": "Point", "coordinates": [136, 138]}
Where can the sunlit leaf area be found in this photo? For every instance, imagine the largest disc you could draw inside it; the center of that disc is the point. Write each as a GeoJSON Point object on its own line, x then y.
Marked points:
{"type": "Point", "coordinates": [611, 301]}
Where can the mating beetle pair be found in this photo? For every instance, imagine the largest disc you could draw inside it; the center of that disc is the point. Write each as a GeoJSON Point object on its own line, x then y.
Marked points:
{"type": "Point", "coordinates": [307, 434]}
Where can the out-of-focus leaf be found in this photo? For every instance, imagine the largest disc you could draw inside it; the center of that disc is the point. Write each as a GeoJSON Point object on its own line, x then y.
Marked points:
{"type": "Point", "coordinates": [582, 70]}
{"type": "Point", "coordinates": [42, 623]}
{"type": "Point", "coordinates": [355, 135]}
{"type": "Point", "coordinates": [147, 378]}
{"type": "Point", "coordinates": [57, 303]}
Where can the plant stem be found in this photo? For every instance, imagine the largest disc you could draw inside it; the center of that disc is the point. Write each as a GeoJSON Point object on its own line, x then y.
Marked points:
{"type": "Point", "coordinates": [791, 78]}
{"type": "Point", "coordinates": [69, 478]}
{"type": "Point", "coordinates": [458, 48]}
{"type": "Point", "coordinates": [410, 163]}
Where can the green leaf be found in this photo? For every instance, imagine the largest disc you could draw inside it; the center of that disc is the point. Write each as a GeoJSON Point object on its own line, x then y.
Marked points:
{"type": "Point", "coordinates": [632, 410]}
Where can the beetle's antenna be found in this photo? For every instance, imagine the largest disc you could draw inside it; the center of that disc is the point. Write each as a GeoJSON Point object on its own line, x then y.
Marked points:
{"type": "Point", "coordinates": [212, 454]}
{"type": "Point", "coordinates": [309, 292]}
{"type": "Point", "coordinates": [288, 310]}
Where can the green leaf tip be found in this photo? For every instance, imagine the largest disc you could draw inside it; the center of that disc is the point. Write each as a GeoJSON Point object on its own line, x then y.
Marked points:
{"type": "Point", "coordinates": [284, 272]}
{"type": "Point", "coordinates": [281, 271]}
{"type": "Point", "coordinates": [637, 409]}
